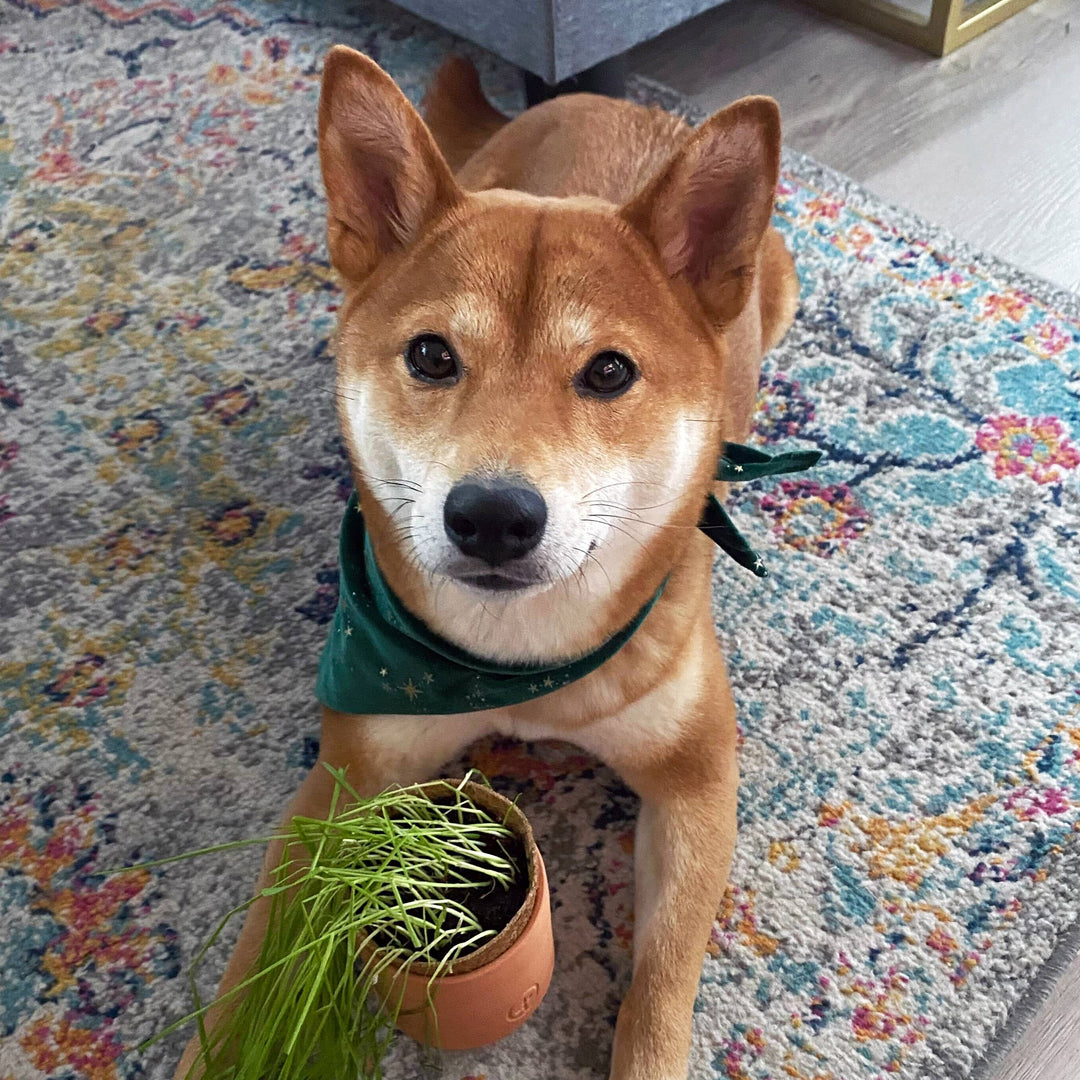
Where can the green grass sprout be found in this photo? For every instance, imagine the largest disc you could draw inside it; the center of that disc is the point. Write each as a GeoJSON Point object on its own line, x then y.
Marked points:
{"type": "Point", "coordinates": [381, 886]}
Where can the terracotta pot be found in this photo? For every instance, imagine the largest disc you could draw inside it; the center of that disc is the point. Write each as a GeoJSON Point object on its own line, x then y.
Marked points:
{"type": "Point", "coordinates": [494, 990]}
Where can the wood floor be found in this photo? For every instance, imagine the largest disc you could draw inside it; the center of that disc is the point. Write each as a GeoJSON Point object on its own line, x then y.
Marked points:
{"type": "Point", "coordinates": [985, 142]}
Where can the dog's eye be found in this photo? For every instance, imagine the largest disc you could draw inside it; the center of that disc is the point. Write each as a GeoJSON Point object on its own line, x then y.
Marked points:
{"type": "Point", "coordinates": [607, 374]}
{"type": "Point", "coordinates": [429, 358]}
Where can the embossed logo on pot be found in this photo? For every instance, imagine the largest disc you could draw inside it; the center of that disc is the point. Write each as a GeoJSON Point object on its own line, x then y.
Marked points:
{"type": "Point", "coordinates": [526, 1005]}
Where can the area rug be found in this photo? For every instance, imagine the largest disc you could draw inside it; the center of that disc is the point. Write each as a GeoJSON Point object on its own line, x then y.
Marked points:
{"type": "Point", "coordinates": [170, 488]}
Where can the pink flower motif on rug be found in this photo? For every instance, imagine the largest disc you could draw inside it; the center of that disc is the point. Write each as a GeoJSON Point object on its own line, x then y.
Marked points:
{"type": "Point", "coordinates": [819, 518]}
{"type": "Point", "coordinates": [1009, 304]}
{"type": "Point", "coordinates": [1022, 446]}
{"type": "Point", "coordinates": [1051, 339]}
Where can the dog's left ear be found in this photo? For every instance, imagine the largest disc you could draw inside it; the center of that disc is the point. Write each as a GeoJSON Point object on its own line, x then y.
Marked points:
{"type": "Point", "coordinates": [385, 177]}
{"type": "Point", "coordinates": [708, 208]}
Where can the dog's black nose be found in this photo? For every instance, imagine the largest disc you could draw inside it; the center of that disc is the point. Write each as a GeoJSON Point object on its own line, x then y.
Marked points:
{"type": "Point", "coordinates": [494, 522]}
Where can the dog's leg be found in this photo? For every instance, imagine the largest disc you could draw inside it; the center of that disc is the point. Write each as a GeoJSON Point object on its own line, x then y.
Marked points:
{"type": "Point", "coordinates": [685, 770]}
{"type": "Point", "coordinates": [375, 751]}
{"type": "Point", "coordinates": [686, 843]}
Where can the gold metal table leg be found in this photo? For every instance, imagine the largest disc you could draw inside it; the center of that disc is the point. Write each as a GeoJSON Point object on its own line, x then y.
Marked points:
{"type": "Point", "coordinates": [951, 23]}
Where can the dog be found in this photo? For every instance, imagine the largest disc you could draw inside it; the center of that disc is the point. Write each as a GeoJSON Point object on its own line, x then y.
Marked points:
{"type": "Point", "coordinates": [549, 326]}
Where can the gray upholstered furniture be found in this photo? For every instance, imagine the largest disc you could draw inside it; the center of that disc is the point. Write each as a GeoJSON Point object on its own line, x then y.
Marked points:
{"type": "Point", "coordinates": [560, 40]}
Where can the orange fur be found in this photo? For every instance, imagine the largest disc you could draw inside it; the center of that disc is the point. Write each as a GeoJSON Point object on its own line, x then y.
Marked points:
{"type": "Point", "coordinates": [459, 116]}
{"type": "Point", "coordinates": [583, 225]}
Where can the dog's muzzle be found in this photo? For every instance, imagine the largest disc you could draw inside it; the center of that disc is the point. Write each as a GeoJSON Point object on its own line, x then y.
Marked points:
{"type": "Point", "coordinates": [495, 522]}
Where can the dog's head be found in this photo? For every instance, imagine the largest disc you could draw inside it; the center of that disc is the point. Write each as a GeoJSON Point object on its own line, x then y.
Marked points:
{"type": "Point", "coordinates": [529, 387]}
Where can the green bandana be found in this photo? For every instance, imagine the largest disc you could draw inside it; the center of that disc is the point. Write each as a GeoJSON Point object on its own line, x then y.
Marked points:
{"type": "Point", "coordinates": [379, 658]}
{"type": "Point", "coordinates": [737, 464]}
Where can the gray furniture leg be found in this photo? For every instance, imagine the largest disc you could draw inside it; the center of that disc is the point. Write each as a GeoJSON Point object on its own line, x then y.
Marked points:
{"type": "Point", "coordinates": [608, 78]}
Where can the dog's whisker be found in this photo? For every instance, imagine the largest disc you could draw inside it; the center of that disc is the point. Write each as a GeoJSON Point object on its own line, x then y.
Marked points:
{"type": "Point", "coordinates": [567, 569]}
{"type": "Point", "coordinates": [402, 504]}
{"type": "Point", "coordinates": [439, 586]}
{"type": "Point", "coordinates": [603, 502]}
{"type": "Point", "coordinates": [618, 528]}
{"type": "Point", "coordinates": [635, 521]}
{"type": "Point", "coordinates": [394, 481]}
{"type": "Point", "coordinates": [342, 395]}
{"type": "Point", "coordinates": [413, 556]}
{"type": "Point", "coordinates": [484, 609]}
{"type": "Point", "coordinates": [622, 483]}
{"type": "Point", "coordinates": [624, 506]}
{"type": "Point", "coordinates": [603, 569]}
{"type": "Point", "coordinates": [575, 576]}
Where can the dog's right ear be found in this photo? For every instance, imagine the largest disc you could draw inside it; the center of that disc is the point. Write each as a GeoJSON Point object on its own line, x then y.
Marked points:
{"type": "Point", "coordinates": [383, 173]}
{"type": "Point", "coordinates": [708, 208]}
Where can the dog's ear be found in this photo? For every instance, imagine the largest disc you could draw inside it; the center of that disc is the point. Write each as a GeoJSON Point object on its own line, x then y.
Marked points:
{"type": "Point", "coordinates": [707, 209]}
{"type": "Point", "coordinates": [383, 173]}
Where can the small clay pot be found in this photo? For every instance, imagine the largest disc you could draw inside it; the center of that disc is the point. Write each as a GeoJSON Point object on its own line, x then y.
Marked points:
{"type": "Point", "coordinates": [492, 991]}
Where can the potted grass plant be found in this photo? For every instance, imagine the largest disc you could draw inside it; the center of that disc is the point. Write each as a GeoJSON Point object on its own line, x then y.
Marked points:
{"type": "Point", "coordinates": [425, 908]}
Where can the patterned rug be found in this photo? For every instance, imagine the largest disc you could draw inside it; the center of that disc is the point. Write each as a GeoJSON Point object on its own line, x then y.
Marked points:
{"type": "Point", "coordinates": [170, 488]}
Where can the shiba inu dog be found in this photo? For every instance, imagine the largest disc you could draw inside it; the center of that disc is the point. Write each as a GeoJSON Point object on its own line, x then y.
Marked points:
{"type": "Point", "coordinates": [549, 326]}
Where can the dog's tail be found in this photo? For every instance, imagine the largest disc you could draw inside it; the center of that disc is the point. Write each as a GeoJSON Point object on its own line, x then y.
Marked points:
{"type": "Point", "coordinates": [458, 114]}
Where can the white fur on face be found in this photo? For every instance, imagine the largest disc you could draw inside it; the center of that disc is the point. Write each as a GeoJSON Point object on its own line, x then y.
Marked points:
{"type": "Point", "coordinates": [598, 529]}
{"type": "Point", "coordinates": [473, 316]}
{"type": "Point", "coordinates": [572, 330]}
